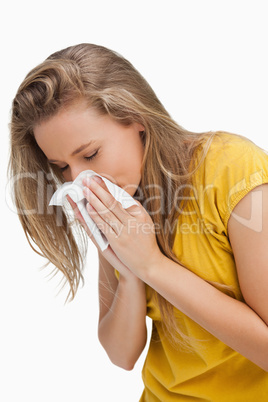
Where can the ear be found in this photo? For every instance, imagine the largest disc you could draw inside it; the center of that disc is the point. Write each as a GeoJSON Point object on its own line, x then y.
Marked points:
{"type": "Point", "coordinates": [140, 127]}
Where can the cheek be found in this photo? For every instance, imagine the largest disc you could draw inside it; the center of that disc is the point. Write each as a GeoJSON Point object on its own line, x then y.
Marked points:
{"type": "Point", "coordinates": [121, 163]}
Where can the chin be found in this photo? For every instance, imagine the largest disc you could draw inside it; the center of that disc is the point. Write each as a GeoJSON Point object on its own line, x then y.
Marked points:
{"type": "Point", "coordinates": [130, 189]}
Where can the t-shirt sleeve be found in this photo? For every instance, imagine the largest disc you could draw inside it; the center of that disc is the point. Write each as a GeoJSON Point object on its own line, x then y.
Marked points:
{"type": "Point", "coordinates": [117, 274]}
{"type": "Point", "coordinates": [240, 166]}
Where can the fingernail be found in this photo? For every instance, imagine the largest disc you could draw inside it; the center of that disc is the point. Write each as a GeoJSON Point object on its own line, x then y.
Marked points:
{"type": "Point", "coordinates": [89, 207]}
{"type": "Point", "coordinates": [86, 191]}
{"type": "Point", "coordinates": [86, 181]}
{"type": "Point", "coordinates": [97, 179]}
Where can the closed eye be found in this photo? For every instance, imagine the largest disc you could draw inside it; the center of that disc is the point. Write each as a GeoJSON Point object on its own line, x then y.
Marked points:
{"type": "Point", "coordinates": [88, 158]}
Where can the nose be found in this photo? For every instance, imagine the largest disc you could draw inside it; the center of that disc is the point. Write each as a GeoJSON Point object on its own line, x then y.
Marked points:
{"type": "Point", "coordinates": [75, 171]}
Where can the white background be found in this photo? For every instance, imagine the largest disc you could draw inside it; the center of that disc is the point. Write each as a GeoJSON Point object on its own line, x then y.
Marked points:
{"type": "Point", "coordinates": [207, 62]}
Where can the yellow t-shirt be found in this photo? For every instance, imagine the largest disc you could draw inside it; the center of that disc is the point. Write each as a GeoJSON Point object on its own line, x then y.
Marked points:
{"type": "Point", "coordinates": [212, 371]}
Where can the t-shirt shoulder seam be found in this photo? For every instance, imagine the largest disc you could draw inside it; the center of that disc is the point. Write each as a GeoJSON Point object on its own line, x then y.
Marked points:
{"type": "Point", "coordinates": [240, 196]}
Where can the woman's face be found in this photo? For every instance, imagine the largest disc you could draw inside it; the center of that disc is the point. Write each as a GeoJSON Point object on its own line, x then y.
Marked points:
{"type": "Point", "coordinates": [78, 138]}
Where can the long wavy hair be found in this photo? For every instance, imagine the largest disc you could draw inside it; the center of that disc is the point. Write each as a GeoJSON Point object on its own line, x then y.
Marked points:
{"type": "Point", "coordinates": [110, 84]}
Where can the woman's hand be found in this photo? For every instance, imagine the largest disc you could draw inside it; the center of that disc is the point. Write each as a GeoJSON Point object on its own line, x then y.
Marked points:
{"type": "Point", "coordinates": [108, 253]}
{"type": "Point", "coordinates": [130, 232]}
{"type": "Point", "coordinates": [80, 218]}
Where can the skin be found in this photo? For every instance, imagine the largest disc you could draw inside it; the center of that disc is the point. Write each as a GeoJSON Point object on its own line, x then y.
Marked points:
{"type": "Point", "coordinates": [119, 158]}
{"type": "Point", "coordinates": [119, 148]}
{"type": "Point", "coordinates": [122, 329]}
{"type": "Point", "coordinates": [228, 319]}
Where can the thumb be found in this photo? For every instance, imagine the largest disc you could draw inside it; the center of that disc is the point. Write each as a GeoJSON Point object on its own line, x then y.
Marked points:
{"type": "Point", "coordinates": [80, 218]}
{"type": "Point", "coordinates": [75, 208]}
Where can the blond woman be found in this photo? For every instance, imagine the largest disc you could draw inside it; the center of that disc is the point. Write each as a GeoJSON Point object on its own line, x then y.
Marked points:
{"type": "Point", "coordinates": [192, 255]}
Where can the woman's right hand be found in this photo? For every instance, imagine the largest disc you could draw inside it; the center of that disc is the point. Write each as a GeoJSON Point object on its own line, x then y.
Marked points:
{"type": "Point", "coordinates": [108, 253]}
{"type": "Point", "coordinates": [122, 325]}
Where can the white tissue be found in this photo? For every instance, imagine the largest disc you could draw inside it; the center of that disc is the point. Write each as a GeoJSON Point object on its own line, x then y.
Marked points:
{"type": "Point", "coordinates": [75, 190]}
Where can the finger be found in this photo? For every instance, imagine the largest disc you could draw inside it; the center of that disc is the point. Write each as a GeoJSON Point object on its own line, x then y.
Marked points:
{"type": "Point", "coordinates": [134, 210]}
{"type": "Point", "coordinates": [71, 202]}
{"type": "Point", "coordinates": [108, 201]}
{"type": "Point", "coordinates": [75, 208]}
{"type": "Point", "coordinates": [100, 213]}
{"type": "Point", "coordinates": [99, 180]}
{"type": "Point", "coordinates": [79, 216]}
{"type": "Point", "coordinates": [109, 228]}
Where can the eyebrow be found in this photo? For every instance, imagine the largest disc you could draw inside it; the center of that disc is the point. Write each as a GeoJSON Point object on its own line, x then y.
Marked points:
{"type": "Point", "coordinates": [77, 151]}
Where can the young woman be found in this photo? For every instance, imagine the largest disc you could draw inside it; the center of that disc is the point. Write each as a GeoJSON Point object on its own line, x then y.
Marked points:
{"type": "Point", "coordinates": [192, 254]}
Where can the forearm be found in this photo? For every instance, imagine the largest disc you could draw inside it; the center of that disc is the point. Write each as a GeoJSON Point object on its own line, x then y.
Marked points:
{"type": "Point", "coordinates": [230, 320]}
{"type": "Point", "coordinates": [122, 331]}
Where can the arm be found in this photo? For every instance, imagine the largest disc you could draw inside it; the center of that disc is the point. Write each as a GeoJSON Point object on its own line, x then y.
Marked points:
{"type": "Point", "coordinates": [230, 320]}
{"type": "Point", "coordinates": [122, 326]}
{"type": "Point", "coordinates": [243, 327]}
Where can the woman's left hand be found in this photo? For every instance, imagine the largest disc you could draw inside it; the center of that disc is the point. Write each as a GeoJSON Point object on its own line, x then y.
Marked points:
{"type": "Point", "coordinates": [130, 232]}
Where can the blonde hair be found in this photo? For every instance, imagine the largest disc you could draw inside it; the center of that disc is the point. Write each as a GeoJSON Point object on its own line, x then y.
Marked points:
{"type": "Point", "coordinates": [113, 86]}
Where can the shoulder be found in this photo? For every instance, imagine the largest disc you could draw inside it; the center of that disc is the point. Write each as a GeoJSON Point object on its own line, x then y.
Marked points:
{"type": "Point", "coordinates": [232, 148]}
{"type": "Point", "coordinates": [232, 167]}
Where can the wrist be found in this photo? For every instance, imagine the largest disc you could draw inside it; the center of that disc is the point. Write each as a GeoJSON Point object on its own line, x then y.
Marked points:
{"type": "Point", "coordinates": [130, 280]}
{"type": "Point", "coordinates": [153, 267]}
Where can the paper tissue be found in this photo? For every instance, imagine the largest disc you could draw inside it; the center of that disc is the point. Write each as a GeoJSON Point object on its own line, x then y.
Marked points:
{"type": "Point", "coordinates": [75, 191]}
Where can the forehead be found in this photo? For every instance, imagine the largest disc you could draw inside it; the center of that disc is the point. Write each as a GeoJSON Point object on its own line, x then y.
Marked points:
{"type": "Point", "coordinates": [65, 118]}
{"type": "Point", "coordinates": [62, 134]}
{"type": "Point", "coordinates": [67, 130]}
